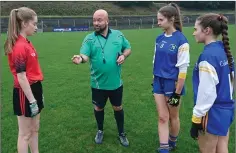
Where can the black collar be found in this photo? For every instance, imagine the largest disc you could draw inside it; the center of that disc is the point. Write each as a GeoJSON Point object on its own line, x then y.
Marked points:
{"type": "Point", "coordinates": [97, 33]}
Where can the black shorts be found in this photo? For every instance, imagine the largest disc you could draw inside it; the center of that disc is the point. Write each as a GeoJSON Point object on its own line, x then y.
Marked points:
{"type": "Point", "coordinates": [21, 103]}
{"type": "Point", "coordinates": [99, 97]}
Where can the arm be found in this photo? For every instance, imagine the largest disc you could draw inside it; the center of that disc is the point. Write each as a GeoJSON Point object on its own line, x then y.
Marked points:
{"type": "Point", "coordinates": [126, 50]}
{"type": "Point", "coordinates": [20, 60]}
{"type": "Point", "coordinates": [78, 59]}
{"type": "Point", "coordinates": [182, 64]}
{"type": "Point", "coordinates": [205, 96]}
{"type": "Point", "coordinates": [24, 84]}
{"type": "Point", "coordinates": [85, 52]}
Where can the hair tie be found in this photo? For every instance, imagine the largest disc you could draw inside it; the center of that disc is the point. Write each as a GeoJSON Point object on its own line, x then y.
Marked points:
{"type": "Point", "coordinates": [220, 18]}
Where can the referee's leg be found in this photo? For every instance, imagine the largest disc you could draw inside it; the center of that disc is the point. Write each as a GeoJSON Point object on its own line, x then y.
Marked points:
{"type": "Point", "coordinates": [115, 97]}
{"type": "Point", "coordinates": [99, 98]}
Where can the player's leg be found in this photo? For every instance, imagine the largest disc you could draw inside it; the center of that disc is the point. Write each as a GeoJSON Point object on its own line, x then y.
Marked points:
{"type": "Point", "coordinates": [174, 125]}
{"type": "Point", "coordinates": [24, 134]}
{"type": "Point", "coordinates": [222, 145]}
{"type": "Point", "coordinates": [99, 98]}
{"type": "Point", "coordinates": [34, 137]}
{"type": "Point", "coordinates": [115, 97]}
{"type": "Point", "coordinates": [207, 142]}
{"type": "Point", "coordinates": [163, 115]}
{"type": "Point", "coordinates": [24, 123]}
{"type": "Point", "coordinates": [169, 89]}
{"type": "Point", "coordinates": [38, 94]}
{"type": "Point", "coordinates": [217, 123]}
{"type": "Point", "coordinates": [163, 122]}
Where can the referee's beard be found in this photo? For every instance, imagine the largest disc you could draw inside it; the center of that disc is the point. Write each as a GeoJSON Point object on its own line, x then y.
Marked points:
{"type": "Point", "coordinates": [100, 30]}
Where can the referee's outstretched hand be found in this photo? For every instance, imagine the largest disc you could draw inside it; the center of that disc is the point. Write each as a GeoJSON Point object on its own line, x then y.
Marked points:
{"type": "Point", "coordinates": [120, 59]}
{"type": "Point", "coordinates": [76, 59]}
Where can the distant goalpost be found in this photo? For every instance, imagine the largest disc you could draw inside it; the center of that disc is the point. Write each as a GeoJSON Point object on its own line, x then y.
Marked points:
{"type": "Point", "coordinates": [40, 27]}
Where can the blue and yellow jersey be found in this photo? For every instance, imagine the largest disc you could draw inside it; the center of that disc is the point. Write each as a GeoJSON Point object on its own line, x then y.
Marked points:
{"type": "Point", "coordinates": [171, 57]}
{"type": "Point", "coordinates": [211, 80]}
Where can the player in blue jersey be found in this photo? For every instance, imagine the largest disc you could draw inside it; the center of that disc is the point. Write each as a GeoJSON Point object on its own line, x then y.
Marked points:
{"type": "Point", "coordinates": [170, 62]}
{"type": "Point", "coordinates": [213, 77]}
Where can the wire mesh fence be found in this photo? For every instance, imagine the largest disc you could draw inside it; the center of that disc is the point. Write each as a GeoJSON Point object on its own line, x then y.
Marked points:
{"type": "Point", "coordinates": [115, 22]}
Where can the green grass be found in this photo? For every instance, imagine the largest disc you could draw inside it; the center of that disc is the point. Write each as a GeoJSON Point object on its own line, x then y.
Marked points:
{"type": "Point", "coordinates": [67, 122]}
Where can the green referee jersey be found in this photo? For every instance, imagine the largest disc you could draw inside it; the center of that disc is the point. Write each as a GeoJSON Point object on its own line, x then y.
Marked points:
{"type": "Point", "coordinates": [103, 53]}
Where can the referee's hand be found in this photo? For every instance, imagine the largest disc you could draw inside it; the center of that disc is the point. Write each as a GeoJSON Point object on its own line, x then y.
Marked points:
{"type": "Point", "coordinates": [76, 59]}
{"type": "Point", "coordinates": [121, 59]}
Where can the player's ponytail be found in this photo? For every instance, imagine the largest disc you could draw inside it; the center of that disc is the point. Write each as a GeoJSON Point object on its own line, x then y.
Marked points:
{"type": "Point", "coordinates": [172, 11]}
{"type": "Point", "coordinates": [17, 16]}
{"type": "Point", "coordinates": [218, 24]}
{"type": "Point", "coordinates": [13, 31]}
{"type": "Point", "coordinates": [225, 40]}
{"type": "Point", "coordinates": [177, 19]}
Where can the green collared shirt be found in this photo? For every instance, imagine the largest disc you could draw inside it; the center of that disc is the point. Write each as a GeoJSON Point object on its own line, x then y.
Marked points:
{"type": "Point", "coordinates": [103, 53]}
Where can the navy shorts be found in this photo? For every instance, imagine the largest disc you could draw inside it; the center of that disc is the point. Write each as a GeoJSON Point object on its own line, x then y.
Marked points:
{"type": "Point", "coordinates": [165, 86]}
{"type": "Point", "coordinates": [100, 97]}
{"type": "Point", "coordinates": [218, 120]}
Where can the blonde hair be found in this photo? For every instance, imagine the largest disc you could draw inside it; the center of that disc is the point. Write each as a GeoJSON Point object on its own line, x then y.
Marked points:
{"type": "Point", "coordinates": [17, 16]}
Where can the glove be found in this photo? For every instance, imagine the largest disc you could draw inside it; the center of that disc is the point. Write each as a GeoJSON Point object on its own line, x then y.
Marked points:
{"type": "Point", "coordinates": [34, 108]}
{"type": "Point", "coordinates": [196, 127]}
{"type": "Point", "coordinates": [174, 99]}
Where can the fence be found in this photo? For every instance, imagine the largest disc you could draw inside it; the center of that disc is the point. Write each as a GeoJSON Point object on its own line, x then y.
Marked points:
{"type": "Point", "coordinates": [116, 22]}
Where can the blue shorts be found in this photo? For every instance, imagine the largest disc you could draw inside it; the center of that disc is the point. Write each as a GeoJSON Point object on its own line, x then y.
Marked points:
{"type": "Point", "coordinates": [165, 86]}
{"type": "Point", "coordinates": [218, 120]}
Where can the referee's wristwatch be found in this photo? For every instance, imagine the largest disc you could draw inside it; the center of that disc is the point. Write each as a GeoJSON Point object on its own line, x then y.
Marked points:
{"type": "Point", "coordinates": [82, 59]}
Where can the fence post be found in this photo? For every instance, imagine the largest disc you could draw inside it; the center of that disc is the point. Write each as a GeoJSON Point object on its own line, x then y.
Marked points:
{"type": "Point", "coordinates": [116, 23]}
{"type": "Point", "coordinates": [58, 23]}
{"type": "Point", "coordinates": [42, 25]}
{"type": "Point", "coordinates": [152, 22]}
{"type": "Point", "coordinates": [89, 24]}
{"type": "Point", "coordinates": [74, 23]}
{"type": "Point", "coordinates": [129, 22]}
{"type": "Point", "coordinates": [140, 22]}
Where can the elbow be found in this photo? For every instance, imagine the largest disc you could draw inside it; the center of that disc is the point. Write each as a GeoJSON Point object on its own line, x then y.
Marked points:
{"type": "Point", "coordinates": [21, 77]}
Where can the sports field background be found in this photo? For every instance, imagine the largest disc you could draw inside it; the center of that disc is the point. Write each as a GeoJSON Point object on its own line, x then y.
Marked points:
{"type": "Point", "coordinates": [67, 122]}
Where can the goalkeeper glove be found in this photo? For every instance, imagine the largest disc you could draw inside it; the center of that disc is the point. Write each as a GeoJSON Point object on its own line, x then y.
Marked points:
{"type": "Point", "coordinates": [174, 99]}
{"type": "Point", "coordinates": [34, 108]}
{"type": "Point", "coordinates": [196, 127]}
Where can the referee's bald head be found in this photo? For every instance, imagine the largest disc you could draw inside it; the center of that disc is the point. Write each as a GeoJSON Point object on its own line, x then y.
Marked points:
{"type": "Point", "coordinates": [101, 14]}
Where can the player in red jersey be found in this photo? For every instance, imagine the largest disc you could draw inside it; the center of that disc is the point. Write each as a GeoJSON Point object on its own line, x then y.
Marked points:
{"type": "Point", "coordinates": [27, 74]}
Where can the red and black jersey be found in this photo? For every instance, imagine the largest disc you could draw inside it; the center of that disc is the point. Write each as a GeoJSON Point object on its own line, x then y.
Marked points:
{"type": "Point", "coordinates": [24, 58]}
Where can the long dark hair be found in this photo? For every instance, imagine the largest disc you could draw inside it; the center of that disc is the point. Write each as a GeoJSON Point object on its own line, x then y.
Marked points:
{"type": "Point", "coordinates": [219, 24]}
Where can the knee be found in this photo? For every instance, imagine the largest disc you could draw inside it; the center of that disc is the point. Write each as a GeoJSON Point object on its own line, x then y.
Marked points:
{"type": "Point", "coordinates": [98, 108]}
{"type": "Point", "coordinates": [117, 108]}
{"type": "Point", "coordinates": [26, 136]}
{"type": "Point", "coordinates": [174, 118]}
{"type": "Point", "coordinates": [35, 129]}
{"type": "Point", "coordinates": [163, 119]}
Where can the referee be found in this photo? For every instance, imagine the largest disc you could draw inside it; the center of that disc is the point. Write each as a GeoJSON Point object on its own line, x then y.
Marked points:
{"type": "Point", "coordinates": [107, 49]}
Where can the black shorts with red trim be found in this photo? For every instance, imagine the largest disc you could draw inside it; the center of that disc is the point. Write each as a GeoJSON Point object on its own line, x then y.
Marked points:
{"type": "Point", "coordinates": [20, 102]}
